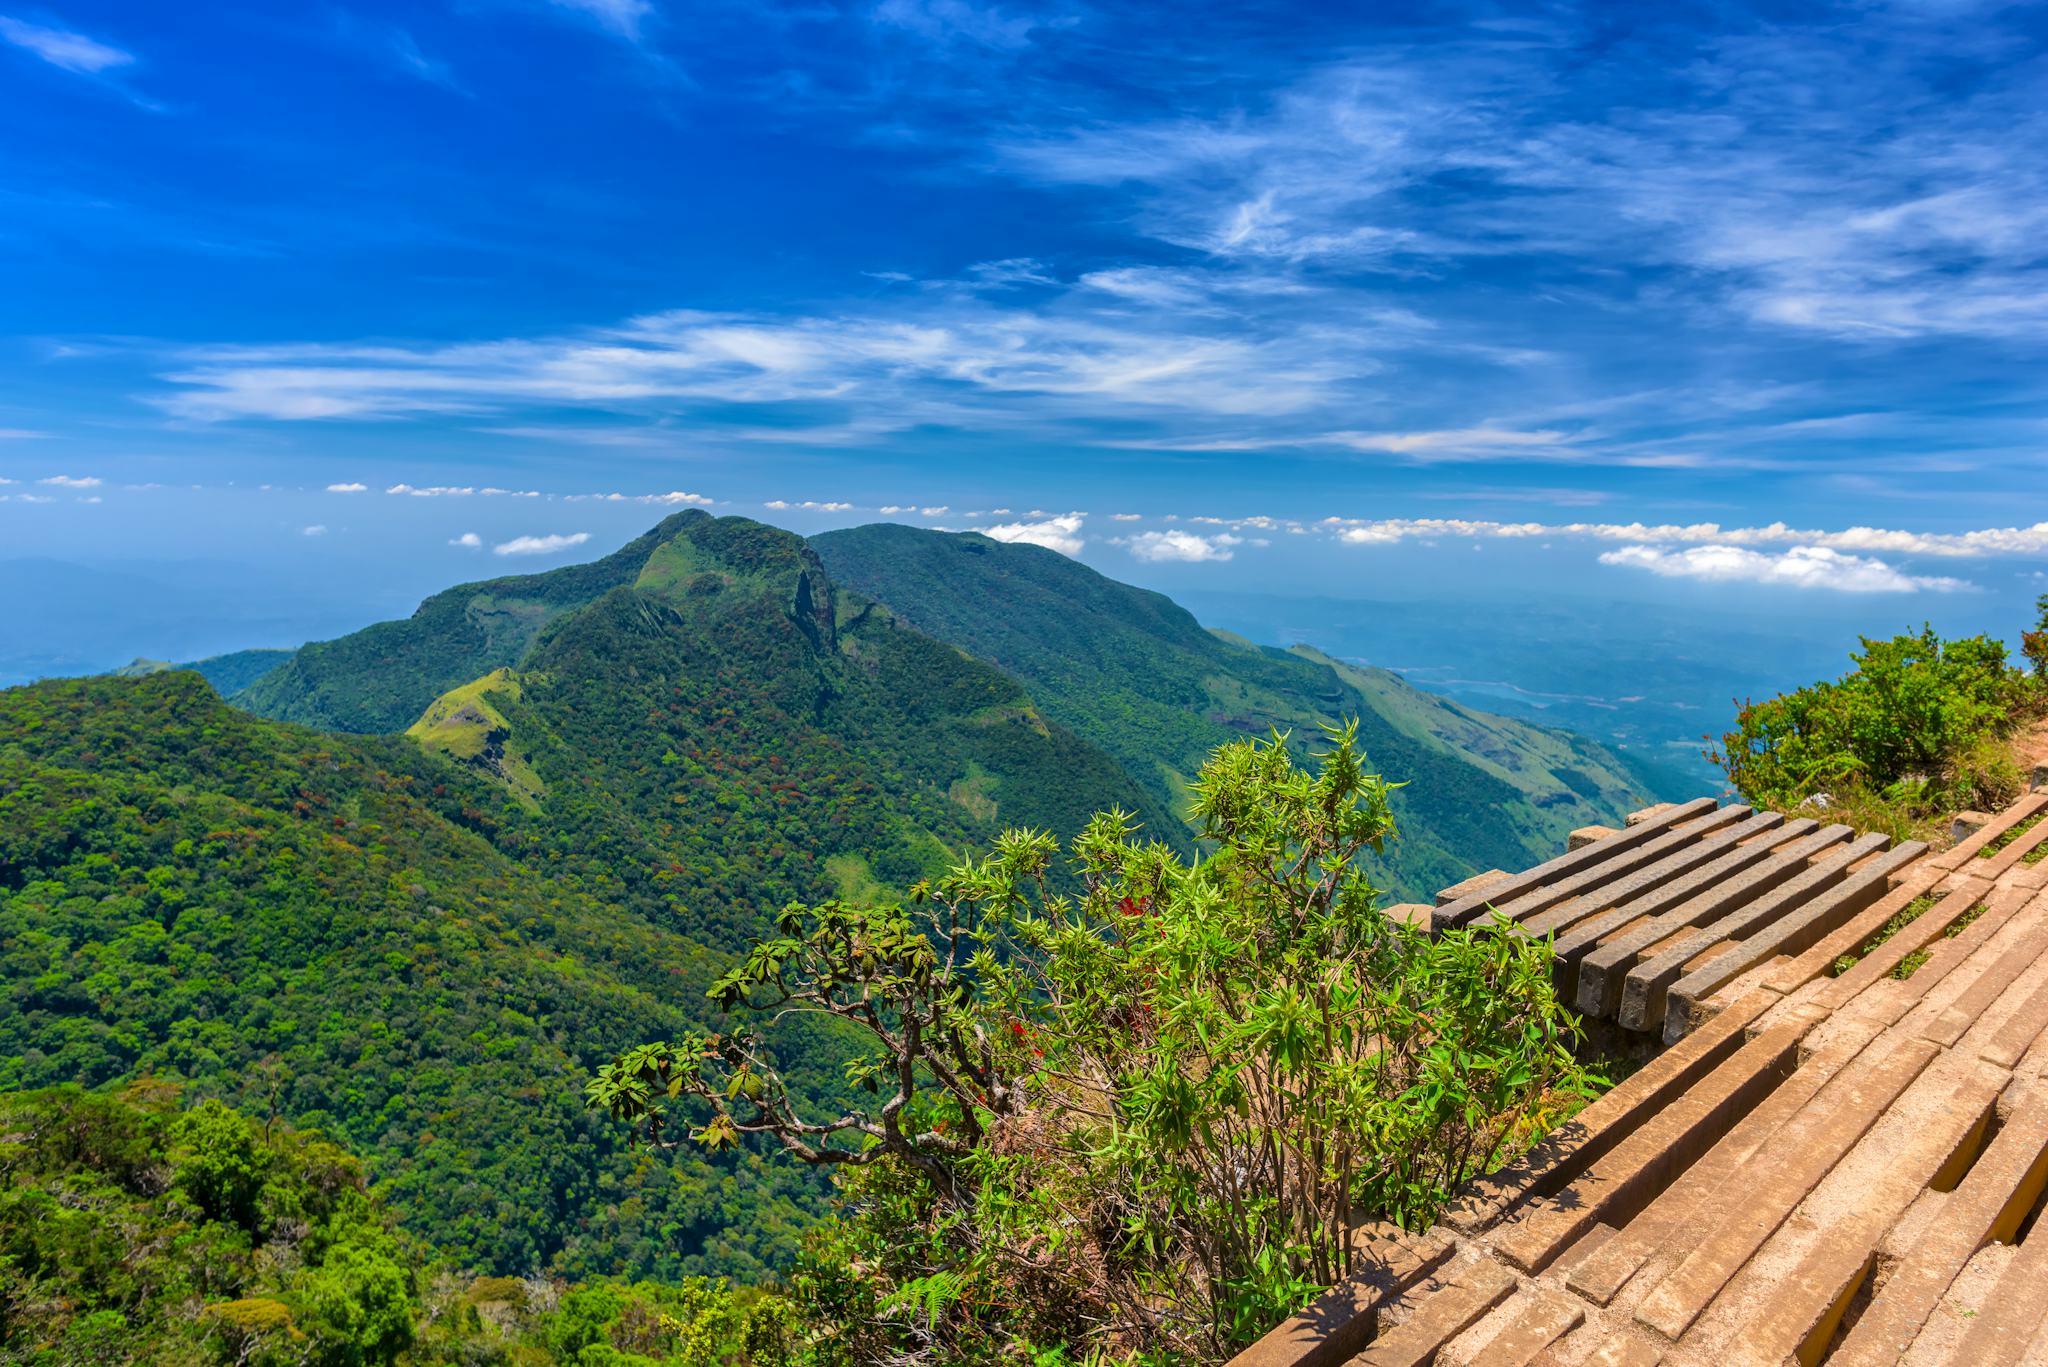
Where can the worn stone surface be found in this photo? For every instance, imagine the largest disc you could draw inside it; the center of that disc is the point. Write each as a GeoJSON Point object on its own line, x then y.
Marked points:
{"type": "Point", "coordinates": [1474, 886]}
{"type": "Point", "coordinates": [1967, 824]}
{"type": "Point", "coordinates": [1605, 955]}
{"type": "Point", "coordinates": [1441, 1314]}
{"type": "Point", "coordinates": [1538, 1319]}
{"type": "Point", "coordinates": [1588, 835]}
{"type": "Point", "coordinates": [1776, 1181]}
{"type": "Point", "coordinates": [1646, 985]}
{"type": "Point", "coordinates": [1614, 1189]}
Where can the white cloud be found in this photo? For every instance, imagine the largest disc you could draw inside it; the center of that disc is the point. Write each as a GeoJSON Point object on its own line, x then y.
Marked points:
{"type": "Point", "coordinates": [70, 51]}
{"type": "Point", "coordinates": [72, 481]}
{"type": "Point", "coordinates": [468, 541]}
{"type": "Point", "coordinates": [936, 510]}
{"type": "Point", "coordinates": [540, 545]}
{"type": "Point", "coordinates": [316, 529]}
{"type": "Point", "coordinates": [433, 491]}
{"type": "Point", "coordinates": [1839, 217]}
{"type": "Point", "coordinates": [1988, 541]}
{"type": "Point", "coordinates": [19, 434]}
{"type": "Point", "coordinates": [348, 488]}
{"type": "Point", "coordinates": [1804, 567]}
{"type": "Point", "coordinates": [936, 356]}
{"type": "Point", "coordinates": [671, 498]}
{"type": "Point", "coordinates": [1062, 534]}
{"type": "Point", "coordinates": [1178, 545]}
{"type": "Point", "coordinates": [810, 504]}
{"type": "Point", "coordinates": [1126, 517]}
{"type": "Point", "coordinates": [891, 509]}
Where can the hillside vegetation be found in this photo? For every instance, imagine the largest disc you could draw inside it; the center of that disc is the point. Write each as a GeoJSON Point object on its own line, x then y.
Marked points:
{"type": "Point", "coordinates": [1133, 673]}
{"type": "Point", "coordinates": [420, 943]}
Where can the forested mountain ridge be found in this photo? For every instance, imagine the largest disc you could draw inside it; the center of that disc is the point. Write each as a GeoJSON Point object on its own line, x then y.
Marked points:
{"type": "Point", "coordinates": [1132, 672]}
{"type": "Point", "coordinates": [424, 944]}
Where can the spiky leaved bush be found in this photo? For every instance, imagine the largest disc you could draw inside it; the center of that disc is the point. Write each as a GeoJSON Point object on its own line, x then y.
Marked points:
{"type": "Point", "coordinates": [1143, 1119]}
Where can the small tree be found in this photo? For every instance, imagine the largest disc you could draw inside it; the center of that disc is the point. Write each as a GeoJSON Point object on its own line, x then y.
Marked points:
{"type": "Point", "coordinates": [1140, 1118]}
{"type": "Point", "coordinates": [2034, 644]}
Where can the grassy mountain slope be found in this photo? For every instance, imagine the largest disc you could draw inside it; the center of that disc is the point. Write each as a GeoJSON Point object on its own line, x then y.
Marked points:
{"type": "Point", "coordinates": [352, 931]}
{"type": "Point", "coordinates": [1135, 674]}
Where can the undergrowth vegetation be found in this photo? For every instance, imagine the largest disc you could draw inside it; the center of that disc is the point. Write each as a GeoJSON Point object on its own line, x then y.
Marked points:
{"type": "Point", "coordinates": [134, 1230]}
{"type": "Point", "coordinates": [1136, 1122]}
{"type": "Point", "coordinates": [1920, 728]}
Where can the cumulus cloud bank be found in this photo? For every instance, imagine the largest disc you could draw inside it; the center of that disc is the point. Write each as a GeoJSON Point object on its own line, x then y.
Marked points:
{"type": "Point", "coordinates": [540, 545]}
{"type": "Point", "coordinates": [1062, 534]}
{"type": "Point", "coordinates": [1803, 567]}
{"type": "Point", "coordinates": [1961, 545]}
{"type": "Point", "coordinates": [1179, 545]}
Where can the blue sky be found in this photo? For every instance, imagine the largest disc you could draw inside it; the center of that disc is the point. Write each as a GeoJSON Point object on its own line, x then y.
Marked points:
{"type": "Point", "coordinates": [1733, 301]}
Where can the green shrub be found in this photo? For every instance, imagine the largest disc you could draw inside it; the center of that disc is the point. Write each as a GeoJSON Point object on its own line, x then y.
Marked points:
{"type": "Point", "coordinates": [1140, 1119]}
{"type": "Point", "coordinates": [1917, 728]}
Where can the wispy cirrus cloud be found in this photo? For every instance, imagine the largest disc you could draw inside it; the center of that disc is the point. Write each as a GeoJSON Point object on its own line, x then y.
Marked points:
{"type": "Point", "coordinates": [1832, 177]}
{"type": "Point", "coordinates": [1987, 541]}
{"type": "Point", "coordinates": [944, 357]}
{"type": "Point", "coordinates": [63, 49]}
{"type": "Point", "coordinates": [622, 18]}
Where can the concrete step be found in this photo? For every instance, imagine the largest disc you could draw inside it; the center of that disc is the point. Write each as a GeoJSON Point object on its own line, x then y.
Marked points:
{"type": "Point", "coordinates": [1779, 1177]}
{"type": "Point", "coordinates": [1707, 1185]}
{"type": "Point", "coordinates": [1686, 1000]}
{"type": "Point", "coordinates": [1618, 1186]}
{"type": "Point", "coordinates": [1438, 1313]}
{"type": "Point", "coordinates": [1644, 989]}
{"type": "Point", "coordinates": [1605, 953]}
{"type": "Point", "coordinates": [1615, 867]}
{"type": "Point", "coordinates": [1471, 905]}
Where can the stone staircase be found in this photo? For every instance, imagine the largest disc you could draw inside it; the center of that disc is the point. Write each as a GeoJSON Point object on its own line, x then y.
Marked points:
{"type": "Point", "coordinates": [1839, 1157]}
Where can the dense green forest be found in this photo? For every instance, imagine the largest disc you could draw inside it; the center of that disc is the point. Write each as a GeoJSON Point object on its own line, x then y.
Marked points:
{"type": "Point", "coordinates": [1132, 672]}
{"type": "Point", "coordinates": [382, 677]}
